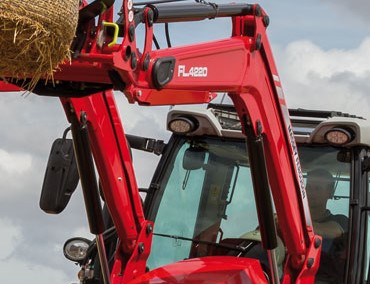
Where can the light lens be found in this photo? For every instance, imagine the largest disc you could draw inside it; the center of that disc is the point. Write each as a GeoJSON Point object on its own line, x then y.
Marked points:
{"type": "Point", "coordinates": [181, 125]}
{"type": "Point", "coordinates": [338, 136]}
{"type": "Point", "coordinates": [76, 249]}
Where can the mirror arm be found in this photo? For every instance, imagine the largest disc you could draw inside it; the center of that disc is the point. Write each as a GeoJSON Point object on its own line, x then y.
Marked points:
{"type": "Point", "coordinates": [146, 144]}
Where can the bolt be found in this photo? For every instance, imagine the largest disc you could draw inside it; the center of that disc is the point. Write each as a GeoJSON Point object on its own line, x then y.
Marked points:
{"type": "Point", "coordinates": [93, 33]}
{"type": "Point", "coordinates": [150, 16]}
{"type": "Point", "coordinates": [141, 248]}
{"type": "Point", "coordinates": [129, 4]}
{"type": "Point", "coordinates": [146, 62]}
{"type": "Point", "coordinates": [119, 178]}
{"type": "Point", "coordinates": [149, 229]}
{"type": "Point", "coordinates": [127, 53]}
{"type": "Point", "coordinates": [83, 117]}
{"type": "Point", "coordinates": [131, 33]}
{"type": "Point", "coordinates": [139, 93]}
{"type": "Point", "coordinates": [310, 262]}
{"type": "Point", "coordinates": [130, 16]}
{"type": "Point", "coordinates": [133, 61]}
{"type": "Point", "coordinates": [259, 127]}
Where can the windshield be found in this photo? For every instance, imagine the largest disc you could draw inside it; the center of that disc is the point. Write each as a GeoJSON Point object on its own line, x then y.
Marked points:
{"type": "Point", "coordinates": [206, 194]}
{"type": "Point", "coordinates": [337, 162]}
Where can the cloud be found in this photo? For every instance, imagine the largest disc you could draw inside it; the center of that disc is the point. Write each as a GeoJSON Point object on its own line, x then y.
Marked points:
{"type": "Point", "coordinates": [31, 240]}
{"type": "Point", "coordinates": [30, 123]}
{"type": "Point", "coordinates": [321, 79]}
{"type": "Point", "coordinates": [359, 8]}
{"type": "Point", "coordinates": [16, 163]}
{"type": "Point", "coordinates": [12, 239]}
{"type": "Point", "coordinates": [19, 272]}
{"type": "Point", "coordinates": [10, 236]}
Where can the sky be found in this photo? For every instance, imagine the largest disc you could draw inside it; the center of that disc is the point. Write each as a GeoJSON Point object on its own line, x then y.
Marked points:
{"type": "Point", "coordinates": [322, 53]}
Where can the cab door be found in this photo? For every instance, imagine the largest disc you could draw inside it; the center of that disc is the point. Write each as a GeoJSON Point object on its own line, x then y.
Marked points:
{"type": "Point", "coordinates": [359, 248]}
{"type": "Point", "coordinates": [357, 268]}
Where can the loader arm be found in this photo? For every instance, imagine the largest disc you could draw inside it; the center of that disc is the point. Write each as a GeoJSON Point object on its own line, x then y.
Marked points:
{"type": "Point", "coordinates": [241, 65]}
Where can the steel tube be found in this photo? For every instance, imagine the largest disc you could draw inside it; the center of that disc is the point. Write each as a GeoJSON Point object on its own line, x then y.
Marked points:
{"type": "Point", "coordinates": [274, 271]}
{"type": "Point", "coordinates": [199, 11]}
{"type": "Point", "coordinates": [103, 258]}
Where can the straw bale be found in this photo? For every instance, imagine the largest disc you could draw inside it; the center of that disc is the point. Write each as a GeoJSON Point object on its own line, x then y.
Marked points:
{"type": "Point", "coordinates": [35, 36]}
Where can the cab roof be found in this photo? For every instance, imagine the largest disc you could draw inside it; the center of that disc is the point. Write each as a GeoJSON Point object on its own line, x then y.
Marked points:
{"type": "Point", "coordinates": [309, 126]}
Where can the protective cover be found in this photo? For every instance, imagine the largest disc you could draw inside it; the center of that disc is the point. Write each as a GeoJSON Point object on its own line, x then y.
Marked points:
{"type": "Point", "coordinates": [61, 177]}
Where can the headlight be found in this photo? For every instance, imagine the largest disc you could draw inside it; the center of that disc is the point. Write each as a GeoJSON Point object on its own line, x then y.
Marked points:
{"type": "Point", "coordinates": [75, 249]}
{"type": "Point", "coordinates": [182, 125]}
{"type": "Point", "coordinates": [338, 136]}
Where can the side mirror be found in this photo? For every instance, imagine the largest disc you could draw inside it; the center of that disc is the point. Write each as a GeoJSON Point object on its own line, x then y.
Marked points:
{"type": "Point", "coordinates": [193, 158]}
{"type": "Point", "coordinates": [344, 156]}
{"type": "Point", "coordinates": [366, 164]}
{"type": "Point", "coordinates": [61, 176]}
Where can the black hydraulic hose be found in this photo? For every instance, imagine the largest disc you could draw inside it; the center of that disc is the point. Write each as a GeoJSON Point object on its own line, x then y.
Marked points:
{"type": "Point", "coordinates": [156, 42]}
{"type": "Point", "coordinates": [168, 39]}
{"type": "Point", "coordinates": [165, 13]}
{"type": "Point", "coordinates": [261, 187]}
{"type": "Point", "coordinates": [87, 174]}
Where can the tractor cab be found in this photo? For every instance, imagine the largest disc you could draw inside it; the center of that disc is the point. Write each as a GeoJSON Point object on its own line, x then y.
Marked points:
{"type": "Point", "coordinates": [202, 200]}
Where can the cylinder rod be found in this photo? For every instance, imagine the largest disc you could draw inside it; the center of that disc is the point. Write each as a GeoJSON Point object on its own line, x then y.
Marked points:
{"type": "Point", "coordinates": [103, 258]}
{"type": "Point", "coordinates": [87, 174]}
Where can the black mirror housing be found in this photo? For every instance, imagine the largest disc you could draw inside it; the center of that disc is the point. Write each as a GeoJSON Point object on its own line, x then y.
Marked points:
{"type": "Point", "coordinates": [193, 158]}
{"type": "Point", "coordinates": [61, 177]}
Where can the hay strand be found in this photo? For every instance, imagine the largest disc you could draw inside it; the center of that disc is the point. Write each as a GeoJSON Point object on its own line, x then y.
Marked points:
{"type": "Point", "coordinates": [35, 37]}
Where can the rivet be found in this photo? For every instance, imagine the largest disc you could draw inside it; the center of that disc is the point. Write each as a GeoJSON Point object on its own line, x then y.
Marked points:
{"type": "Point", "coordinates": [310, 262]}
{"type": "Point", "coordinates": [141, 248]}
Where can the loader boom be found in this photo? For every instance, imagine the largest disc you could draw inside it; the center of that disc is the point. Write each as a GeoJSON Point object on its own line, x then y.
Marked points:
{"type": "Point", "coordinates": [241, 66]}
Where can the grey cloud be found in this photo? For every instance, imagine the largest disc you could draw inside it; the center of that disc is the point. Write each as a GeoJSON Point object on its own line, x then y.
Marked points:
{"type": "Point", "coordinates": [29, 125]}
{"type": "Point", "coordinates": [340, 92]}
{"type": "Point", "coordinates": [358, 8]}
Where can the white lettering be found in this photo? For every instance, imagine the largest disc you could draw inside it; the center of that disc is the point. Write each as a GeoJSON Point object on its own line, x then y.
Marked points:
{"type": "Point", "coordinates": [194, 71]}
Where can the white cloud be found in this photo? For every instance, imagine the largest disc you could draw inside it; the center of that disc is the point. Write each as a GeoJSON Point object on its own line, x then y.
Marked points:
{"type": "Point", "coordinates": [326, 79]}
{"type": "Point", "coordinates": [14, 163]}
{"type": "Point", "coordinates": [16, 270]}
{"type": "Point", "coordinates": [10, 236]}
{"type": "Point", "coordinates": [20, 178]}
{"type": "Point", "coordinates": [304, 57]}
{"type": "Point", "coordinates": [20, 272]}
{"type": "Point", "coordinates": [82, 232]}
{"type": "Point", "coordinates": [142, 120]}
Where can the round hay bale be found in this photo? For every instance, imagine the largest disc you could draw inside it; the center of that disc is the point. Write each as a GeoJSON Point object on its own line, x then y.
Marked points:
{"type": "Point", "coordinates": [35, 36]}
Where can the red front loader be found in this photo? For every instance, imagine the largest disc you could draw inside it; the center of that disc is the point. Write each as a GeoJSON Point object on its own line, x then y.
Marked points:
{"type": "Point", "coordinates": [106, 58]}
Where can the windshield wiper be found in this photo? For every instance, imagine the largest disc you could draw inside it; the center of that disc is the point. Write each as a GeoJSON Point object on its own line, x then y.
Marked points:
{"type": "Point", "coordinates": [238, 248]}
